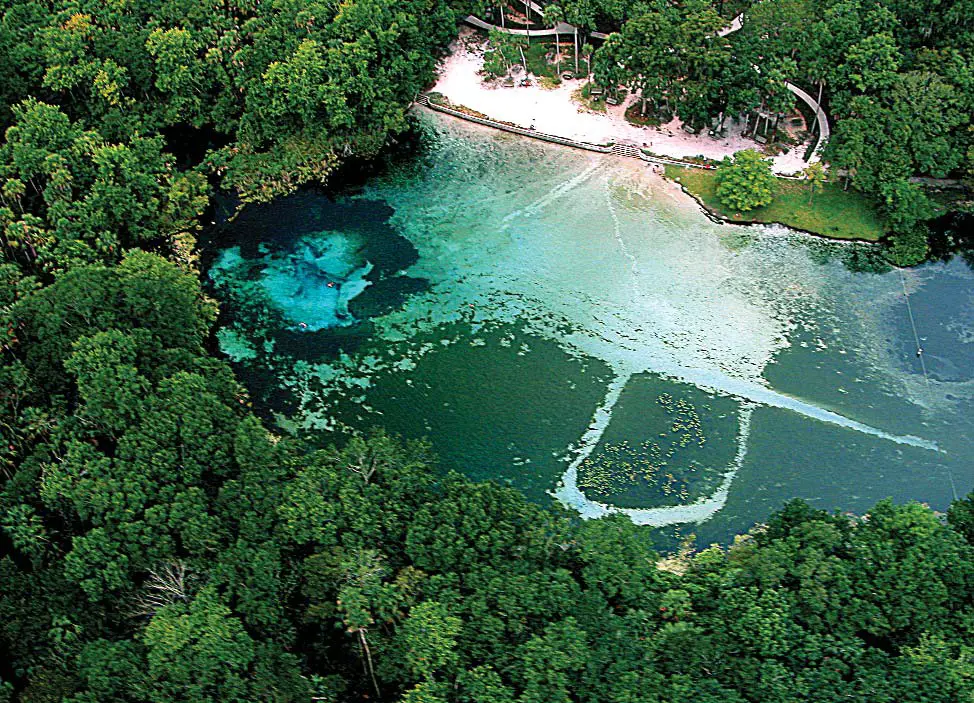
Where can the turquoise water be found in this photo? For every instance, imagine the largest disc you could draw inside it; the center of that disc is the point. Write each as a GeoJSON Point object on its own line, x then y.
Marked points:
{"type": "Point", "coordinates": [571, 325]}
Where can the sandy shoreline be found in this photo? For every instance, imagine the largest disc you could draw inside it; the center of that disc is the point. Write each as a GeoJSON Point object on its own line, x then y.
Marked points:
{"type": "Point", "coordinates": [554, 112]}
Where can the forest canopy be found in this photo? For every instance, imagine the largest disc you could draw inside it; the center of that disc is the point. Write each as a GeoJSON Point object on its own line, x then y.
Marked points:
{"type": "Point", "coordinates": [159, 544]}
{"type": "Point", "coordinates": [273, 93]}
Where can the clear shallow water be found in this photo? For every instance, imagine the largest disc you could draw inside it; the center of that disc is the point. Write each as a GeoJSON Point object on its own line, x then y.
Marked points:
{"type": "Point", "coordinates": [530, 309]}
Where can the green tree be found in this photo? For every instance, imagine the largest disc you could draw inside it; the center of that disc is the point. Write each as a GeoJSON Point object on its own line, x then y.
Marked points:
{"type": "Point", "coordinates": [504, 50]}
{"type": "Point", "coordinates": [553, 663]}
{"type": "Point", "coordinates": [73, 198]}
{"type": "Point", "coordinates": [815, 175]}
{"type": "Point", "coordinates": [907, 208]}
{"type": "Point", "coordinates": [483, 685]}
{"type": "Point", "coordinates": [617, 559]}
{"type": "Point", "coordinates": [199, 651]}
{"type": "Point", "coordinates": [961, 517]}
{"type": "Point", "coordinates": [554, 15]}
{"type": "Point", "coordinates": [587, 50]}
{"type": "Point", "coordinates": [872, 64]}
{"type": "Point", "coordinates": [746, 181]}
{"type": "Point", "coordinates": [427, 640]}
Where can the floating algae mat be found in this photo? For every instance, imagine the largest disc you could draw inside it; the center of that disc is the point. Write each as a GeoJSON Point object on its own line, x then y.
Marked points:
{"type": "Point", "coordinates": [571, 325]}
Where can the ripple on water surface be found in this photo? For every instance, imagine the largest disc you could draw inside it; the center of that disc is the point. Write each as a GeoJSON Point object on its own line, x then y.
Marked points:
{"type": "Point", "coordinates": [542, 313]}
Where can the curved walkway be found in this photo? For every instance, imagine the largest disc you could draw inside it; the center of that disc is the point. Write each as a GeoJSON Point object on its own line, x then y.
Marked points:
{"type": "Point", "coordinates": [824, 131]}
{"type": "Point", "coordinates": [821, 119]}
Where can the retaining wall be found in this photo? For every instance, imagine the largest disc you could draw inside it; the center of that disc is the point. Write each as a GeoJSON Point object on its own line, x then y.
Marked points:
{"type": "Point", "coordinates": [563, 141]}
{"type": "Point", "coordinates": [534, 134]}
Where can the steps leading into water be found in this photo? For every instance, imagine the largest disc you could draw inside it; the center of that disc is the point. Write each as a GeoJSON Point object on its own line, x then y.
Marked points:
{"type": "Point", "coordinates": [627, 150]}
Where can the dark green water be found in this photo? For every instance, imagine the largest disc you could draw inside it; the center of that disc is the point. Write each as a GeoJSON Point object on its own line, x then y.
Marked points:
{"type": "Point", "coordinates": [571, 325]}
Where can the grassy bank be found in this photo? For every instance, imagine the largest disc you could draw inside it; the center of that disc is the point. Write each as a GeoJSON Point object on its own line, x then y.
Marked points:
{"type": "Point", "coordinates": [832, 213]}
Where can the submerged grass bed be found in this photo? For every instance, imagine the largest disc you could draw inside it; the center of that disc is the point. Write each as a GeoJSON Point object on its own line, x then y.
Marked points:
{"type": "Point", "coordinates": [667, 443]}
{"type": "Point", "coordinates": [833, 212]}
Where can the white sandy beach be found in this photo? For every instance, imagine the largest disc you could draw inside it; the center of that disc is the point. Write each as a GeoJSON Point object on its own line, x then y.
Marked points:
{"type": "Point", "coordinates": [554, 111]}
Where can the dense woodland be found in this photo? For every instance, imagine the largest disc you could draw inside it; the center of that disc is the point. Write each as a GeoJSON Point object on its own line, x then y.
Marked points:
{"type": "Point", "coordinates": [159, 544]}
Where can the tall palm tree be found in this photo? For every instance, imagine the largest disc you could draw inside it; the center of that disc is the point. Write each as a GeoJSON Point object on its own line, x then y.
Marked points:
{"type": "Point", "coordinates": [587, 50]}
{"type": "Point", "coordinates": [576, 49]}
{"type": "Point", "coordinates": [553, 16]}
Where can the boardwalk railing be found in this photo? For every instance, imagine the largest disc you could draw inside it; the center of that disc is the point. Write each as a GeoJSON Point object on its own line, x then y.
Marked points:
{"type": "Point", "coordinates": [562, 28]}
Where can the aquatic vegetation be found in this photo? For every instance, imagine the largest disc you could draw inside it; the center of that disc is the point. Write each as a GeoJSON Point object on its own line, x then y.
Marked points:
{"type": "Point", "coordinates": [665, 464]}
